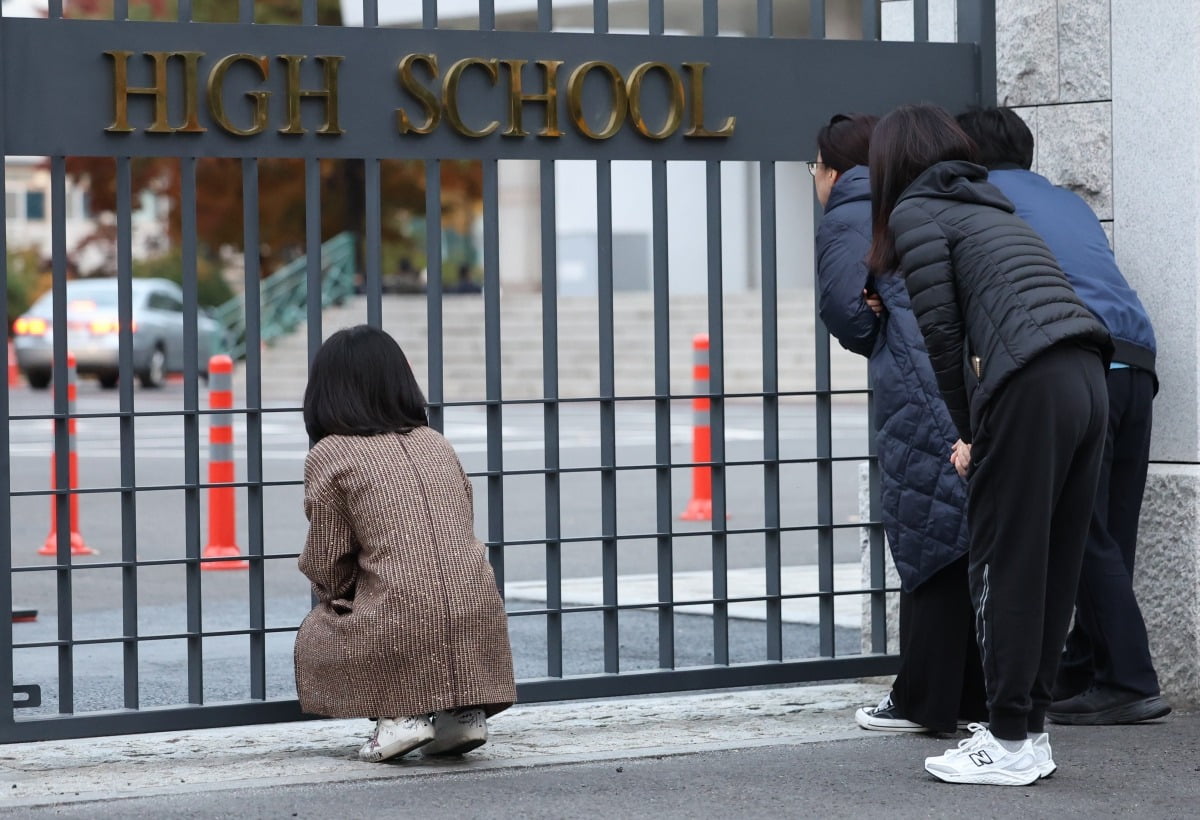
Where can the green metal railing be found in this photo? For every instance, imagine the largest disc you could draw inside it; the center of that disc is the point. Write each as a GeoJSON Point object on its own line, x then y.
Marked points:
{"type": "Point", "coordinates": [284, 295]}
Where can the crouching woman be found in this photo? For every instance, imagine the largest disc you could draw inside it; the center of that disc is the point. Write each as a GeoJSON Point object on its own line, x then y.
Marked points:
{"type": "Point", "coordinates": [409, 629]}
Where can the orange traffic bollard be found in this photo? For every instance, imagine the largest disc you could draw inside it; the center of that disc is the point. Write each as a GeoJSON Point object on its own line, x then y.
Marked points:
{"type": "Point", "coordinates": [14, 371]}
{"type": "Point", "coordinates": [699, 508]}
{"type": "Point", "coordinates": [78, 547]}
{"type": "Point", "coordinates": [222, 501]}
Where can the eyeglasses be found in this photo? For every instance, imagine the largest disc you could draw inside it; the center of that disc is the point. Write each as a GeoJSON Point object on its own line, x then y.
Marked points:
{"type": "Point", "coordinates": [812, 165]}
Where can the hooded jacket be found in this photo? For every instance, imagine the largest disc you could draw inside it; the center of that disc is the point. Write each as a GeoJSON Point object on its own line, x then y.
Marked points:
{"type": "Point", "coordinates": [1073, 234]}
{"type": "Point", "coordinates": [923, 498]}
{"type": "Point", "coordinates": [988, 294]}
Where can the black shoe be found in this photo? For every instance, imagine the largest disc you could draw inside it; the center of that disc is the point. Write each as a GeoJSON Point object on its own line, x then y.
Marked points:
{"type": "Point", "coordinates": [1066, 691]}
{"type": "Point", "coordinates": [1106, 706]}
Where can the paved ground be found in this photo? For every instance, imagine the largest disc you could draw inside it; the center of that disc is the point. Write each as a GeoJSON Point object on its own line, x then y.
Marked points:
{"type": "Point", "coordinates": [785, 752]}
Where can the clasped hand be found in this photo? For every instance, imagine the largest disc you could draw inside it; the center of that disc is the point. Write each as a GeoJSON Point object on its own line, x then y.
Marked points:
{"type": "Point", "coordinates": [960, 457]}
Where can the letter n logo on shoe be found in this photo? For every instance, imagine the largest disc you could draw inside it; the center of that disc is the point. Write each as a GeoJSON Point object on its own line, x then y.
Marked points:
{"type": "Point", "coordinates": [981, 758]}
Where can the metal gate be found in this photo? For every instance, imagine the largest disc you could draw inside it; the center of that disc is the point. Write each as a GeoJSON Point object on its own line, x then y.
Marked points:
{"type": "Point", "coordinates": [133, 633]}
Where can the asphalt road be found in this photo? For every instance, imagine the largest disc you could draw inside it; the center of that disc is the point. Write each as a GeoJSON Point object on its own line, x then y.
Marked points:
{"type": "Point", "coordinates": [1122, 771]}
{"type": "Point", "coordinates": [163, 524]}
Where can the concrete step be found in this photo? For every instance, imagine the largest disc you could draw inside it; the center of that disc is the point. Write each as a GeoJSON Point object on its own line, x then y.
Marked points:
{"type": "Point", "coordinates": [464, 348]}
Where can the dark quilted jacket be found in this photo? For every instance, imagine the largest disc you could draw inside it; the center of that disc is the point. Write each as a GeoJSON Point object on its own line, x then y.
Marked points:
{"type": "Point", "coordinates": [924, 500]}
{"type": "Point", "coordinates": [983, 284]}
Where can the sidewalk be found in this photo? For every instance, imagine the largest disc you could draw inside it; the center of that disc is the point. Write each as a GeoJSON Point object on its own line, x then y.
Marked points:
{"type": "Point", "coordinates": [782, 752]}
{"type": "Point", "coordinates": [326, 751]}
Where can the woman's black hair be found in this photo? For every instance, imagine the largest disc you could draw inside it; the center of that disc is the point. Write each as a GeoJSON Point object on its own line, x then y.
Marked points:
{"type": "Point", "coordinates": [360, 384]}
{"type": "Point", "coordinates": [1002, 136]}
{"type": "Point", "coordinates": [904, 144]}
{"type": "Point", "coordinates": [845, 140]}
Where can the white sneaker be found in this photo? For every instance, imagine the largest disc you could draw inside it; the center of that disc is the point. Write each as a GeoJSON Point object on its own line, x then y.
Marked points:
{"type": "Point", "coordinates": [981, 759]}
{"type": "Point", "coordinates": [1041, 752]}
{"type": "Point", "coordinates": [885, 718]}
{"type": "Point", "coordinates": [396, 736]}
{"type": "Point", "coordinates": [458, 732]}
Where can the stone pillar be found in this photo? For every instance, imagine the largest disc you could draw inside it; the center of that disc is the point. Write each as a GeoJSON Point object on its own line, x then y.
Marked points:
{"type": "Point", "coordinates": [1052, 66]}
{"type": "Point", "coordinates": [1156, 185]}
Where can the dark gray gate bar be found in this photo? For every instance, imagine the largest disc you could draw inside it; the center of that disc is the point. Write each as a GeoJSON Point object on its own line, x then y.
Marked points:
{"type": "Point", "coordinates": [921, 21]}
{"type": "Point", "coordinates": [607, 408]}
{"type": "Point", "coordinates": [255, 518]}
{"type": "Point", "coordinates": [870, 20]}
{"type": "Point", "coordinates": [433, 264]}
{"type": "Point", "coordinates": [824, 464]}
{"type": "Point", "coordinates": [6, 555]}
{"type": "Point", "coordinates": [660, 272]}
{"type": "Point", "coordinates": [769, 284]}
{"type": "Point", "coordinates": [495, 406]}
{"type": "Point", "coordinates": [816, 18]}
{"type": "Point", "coordinates": [191, 434]}
{"type": "Point", "coordinates": [373, 242]}
{"type": "Point", "coordinates": [62, 514]}
{"type": "Point", "coordinates": [128, 431]}
{"type": "Point", "coordinates": [312, 244]}
{"type": "Point", "coordinates": [550, 418]}
{"type": "Point", "coordinates": [977, 25]}
{"type": "Point", "coordinates": [705, 677]}
{"type": "Point", "coordinates": [664, 511]}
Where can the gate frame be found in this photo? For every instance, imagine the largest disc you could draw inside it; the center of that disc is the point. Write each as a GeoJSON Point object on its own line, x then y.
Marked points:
{"type": "Point", "coordinates": [975, 26]}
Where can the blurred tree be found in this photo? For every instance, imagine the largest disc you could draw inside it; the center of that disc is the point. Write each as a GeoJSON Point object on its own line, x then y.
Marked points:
{"type": "Point", "coordinates": [25, 280]}
{"type": "Point", "coordinates": [211, 288]}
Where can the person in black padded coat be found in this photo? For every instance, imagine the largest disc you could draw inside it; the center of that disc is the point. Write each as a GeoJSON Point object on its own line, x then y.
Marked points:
{"type": "Point", "coordinates": [1020, 363]}
{"type": "Point", "coordinates": [924, 500]}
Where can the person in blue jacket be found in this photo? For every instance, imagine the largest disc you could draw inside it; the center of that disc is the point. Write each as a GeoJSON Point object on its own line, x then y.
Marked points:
{"type": "Point", "coordinates": [940, 682]}
{"type": "Point", "coordinates": [1106, 675]}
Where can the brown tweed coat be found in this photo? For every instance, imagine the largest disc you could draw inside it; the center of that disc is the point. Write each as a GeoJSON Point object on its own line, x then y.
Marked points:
{"type": "Point", "coordinates": [409, 620]}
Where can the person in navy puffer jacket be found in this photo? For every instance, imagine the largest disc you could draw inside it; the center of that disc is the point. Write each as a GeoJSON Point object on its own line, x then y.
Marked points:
{"type": "Point", "coordinates": [1106, 675]}
{"type": "Point", "coordinates": [940, 682]}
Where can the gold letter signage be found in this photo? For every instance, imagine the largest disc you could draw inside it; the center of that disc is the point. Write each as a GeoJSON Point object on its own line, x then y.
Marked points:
{"type": "Point", "coordinates": [655, 99]}
{"type": "Point", "coordinates": [161, 92]}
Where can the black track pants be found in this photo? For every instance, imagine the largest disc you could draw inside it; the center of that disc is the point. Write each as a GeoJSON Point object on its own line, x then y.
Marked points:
{"type": "Point", "coordinates": [940, 680]}
{"type": "Point", "coordinates": [1036, 459]}
{"type": "Point", "coordinates": [1109, 644]}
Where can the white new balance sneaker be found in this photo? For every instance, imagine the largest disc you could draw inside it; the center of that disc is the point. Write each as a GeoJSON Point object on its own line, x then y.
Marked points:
{"type": "Point", "coordinates": [1041, 752]}
{"type": "Point", "coordinates": [396, 736]}
{"type": "Point", "coordinates": [458, 732]}
{"type": "Point", "coordinates": [981, 759]}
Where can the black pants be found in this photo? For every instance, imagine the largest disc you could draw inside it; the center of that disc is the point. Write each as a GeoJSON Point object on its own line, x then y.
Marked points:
{"type": "Point", "coordinates": [1036, 457]}
{"type": "Point", "coordinates": [1108, 644]}
{"type": "Point", "coordinates": [941, 679]}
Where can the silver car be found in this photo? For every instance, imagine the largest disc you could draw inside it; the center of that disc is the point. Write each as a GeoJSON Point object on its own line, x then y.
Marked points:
{"type": "Point", "coordinates": [92, 333]}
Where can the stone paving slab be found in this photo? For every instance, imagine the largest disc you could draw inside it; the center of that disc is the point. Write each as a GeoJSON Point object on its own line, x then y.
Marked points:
{"type": "Point", "coordinates": [89, 769]}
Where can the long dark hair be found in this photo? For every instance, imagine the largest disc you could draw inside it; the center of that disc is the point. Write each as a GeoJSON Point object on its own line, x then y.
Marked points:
{"type": "Point", "coordinates": [361, 384]}
{"type": "Point", "coordinates": [845, 140]}
{"type": "Point", "coordinates": [904, 144]}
